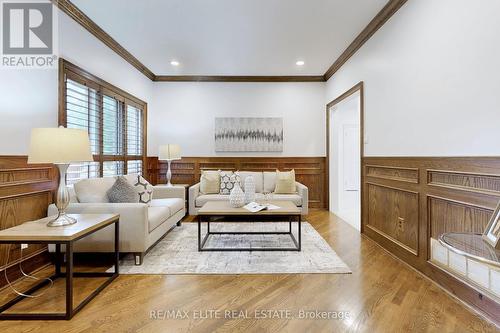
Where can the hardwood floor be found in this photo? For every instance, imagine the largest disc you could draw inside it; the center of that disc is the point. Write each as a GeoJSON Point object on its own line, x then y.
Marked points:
{"type": "Point", "coordinates": [382, 295]}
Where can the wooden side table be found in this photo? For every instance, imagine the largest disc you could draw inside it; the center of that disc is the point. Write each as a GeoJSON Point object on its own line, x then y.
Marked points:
{"type": "Point", "coordinates": [37, 232]}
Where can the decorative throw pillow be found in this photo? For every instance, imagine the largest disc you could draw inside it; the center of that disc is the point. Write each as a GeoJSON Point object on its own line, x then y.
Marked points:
{"type": "Point", "coordinates": [227, 181]}
{"type": "Point", "coordinates": [122, 191]}
{"type": "Point", "coordinates": [143, 188]}
{"type": "Point", "coordinates": [285, 182]}
{"type": "Point", "coordinates": [210, 182]}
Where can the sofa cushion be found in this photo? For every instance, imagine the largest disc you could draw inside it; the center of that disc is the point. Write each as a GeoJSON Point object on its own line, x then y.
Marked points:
{"type": "Point", "coordinates": [285, 182]}
{"type": "Point", "coordinates": [157, 215]}
{"type": "Point", "coordinates": [122, 191]}
{"type": "Point", "coordinates": [295, 198]}
{"type": "Point", "coordinates": [269, 181]}
{"type": "Point", "coordinates": [175, 204]}
{"type": "Point", "coordinates": [161, 210]}
{"type": "Point", "coordinates": [94, 190]}
{"type": "Point", "coordinates": [227, 181]}
{"type": "Point", "coordinates": [210, 182]}
{"type": "Point", "coordinates": [204, 198]}
{"type": "Point", "coordinates": [258, 178]}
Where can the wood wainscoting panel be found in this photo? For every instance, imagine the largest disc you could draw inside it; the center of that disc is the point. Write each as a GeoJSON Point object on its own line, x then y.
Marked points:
{"type": "Point", "coordinates": [459, 216]}
{"type": "Point", "coordinates": [25, 193]}
{"type": "Point", "coordinates": [393, 213]}
{"type": "Point", "coordinates": [474, 182]}
{"type": "Point", "coordinates": [455, 194]}
{"type": "Point", "coordinates": [395, 173]}
{"type": "Point", "coordinates": [309, 171]}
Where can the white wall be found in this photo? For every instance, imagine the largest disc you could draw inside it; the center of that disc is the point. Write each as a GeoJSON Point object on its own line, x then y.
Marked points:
{"type": "Point", "coordinates": [29, 98]}
{"type": "Point", "coordinates": [431, 80]}
{"type": "Point", "coordinates": [184, 113]}
{"type": "Point", "coordinates": [345, 200]}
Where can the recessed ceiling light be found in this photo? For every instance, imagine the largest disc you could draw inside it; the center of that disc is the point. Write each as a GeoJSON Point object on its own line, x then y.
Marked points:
{"type": "Point", "coordinates": [300, 63]}
{"type": "Point", "coordinates": [174, 63]}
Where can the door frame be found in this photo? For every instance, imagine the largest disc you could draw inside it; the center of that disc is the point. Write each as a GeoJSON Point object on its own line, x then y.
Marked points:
{"type": "Point", "coordinates": [358, 87]}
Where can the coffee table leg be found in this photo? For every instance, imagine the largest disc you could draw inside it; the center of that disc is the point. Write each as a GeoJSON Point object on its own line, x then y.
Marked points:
{"type": "Point", "coordinates": [300, 232]}
{"type": "Point", "coordinates": [199, 233]}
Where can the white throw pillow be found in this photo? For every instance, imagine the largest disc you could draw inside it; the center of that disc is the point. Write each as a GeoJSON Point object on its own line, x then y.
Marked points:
{"type": "Point", "coordinates": [285, 182]}
{"type": "Point", "coordinates": [94, 190]}
{"type": "Point", "coordinates": [227, 181]}
{"type": "Point", "coordinates": [143, 187]}
{"type": "Point", "coordinates": [210, 182]}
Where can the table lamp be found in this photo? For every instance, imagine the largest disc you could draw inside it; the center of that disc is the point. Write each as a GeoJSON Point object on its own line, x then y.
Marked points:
{"type": "Point", "coordinates": [169, 153]}
{"type": "Point", "coordinates": [60, 146]}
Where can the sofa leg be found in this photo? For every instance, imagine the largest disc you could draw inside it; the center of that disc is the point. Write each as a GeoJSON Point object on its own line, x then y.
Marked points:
{"type": "Point", "coordinates": [179, 223]}
{"type": "Point", "coordinates": [138, 258]}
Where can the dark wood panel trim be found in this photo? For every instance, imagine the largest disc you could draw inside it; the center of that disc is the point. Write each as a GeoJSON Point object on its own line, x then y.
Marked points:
{"type": "Point", "coordinates": [76, 14]}
{"type": "Point", "coordinates": [388, 237]}
{"type": "Point", "coordinates": [26, 194]}
{"type": "Point", "coordinates": [473, 206]}
{"type": "Point", "coordinates": [375, 24]}
{"type": "Point", "coordinates": [469, 188]}
{"type": "Point", "coordinates": [391, 239]}
{"type": "Point", "coordinates": [414, 180]}
{"type": "Point", "coordinates": [458, 202]}
{"type": "Point", "coordinates": [237, 78]}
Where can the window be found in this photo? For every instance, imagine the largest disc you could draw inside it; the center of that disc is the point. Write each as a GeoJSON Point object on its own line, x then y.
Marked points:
{"type": "Point", "coordinates": [114, 120]}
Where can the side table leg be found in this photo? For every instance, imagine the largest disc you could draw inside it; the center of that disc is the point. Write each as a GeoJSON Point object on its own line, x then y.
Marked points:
{"type": "Point", "coordinates": [58, 259]}
{"type": "Point", "coordinates": [69, 280]}
{"type": "Point", "coordinates": [117, 246]}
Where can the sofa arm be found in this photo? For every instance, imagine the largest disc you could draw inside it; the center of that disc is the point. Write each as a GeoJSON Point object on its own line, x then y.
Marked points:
{"type": "Point", "coordinates": [194, 192]}
{"type": "Point", "coordinates": [134, 225]}
{"type": "Point", "coordinates": [165, 192]}
{"type": "Point", "coordinates": [303, 191]}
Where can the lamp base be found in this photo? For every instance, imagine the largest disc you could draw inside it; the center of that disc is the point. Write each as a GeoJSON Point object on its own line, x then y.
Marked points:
{"type": "Point", "coordinates": [61, 220]}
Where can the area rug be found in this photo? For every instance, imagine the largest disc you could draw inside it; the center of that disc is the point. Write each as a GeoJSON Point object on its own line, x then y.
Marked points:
{"type": "Point", "coordinates": [177, 253]}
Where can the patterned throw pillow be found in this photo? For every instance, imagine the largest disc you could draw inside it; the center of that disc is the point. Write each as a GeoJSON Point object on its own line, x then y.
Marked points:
{"type": "Point", "coordinates": [227, 181]}
{"type": "Point", "coordinates": [122, 191]}
{"type": "Point", "coordinates": [144, 189]}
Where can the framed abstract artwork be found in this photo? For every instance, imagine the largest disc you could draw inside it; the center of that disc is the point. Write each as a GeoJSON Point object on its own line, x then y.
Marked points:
{"type": "Point", "coordinates": [248, 134]}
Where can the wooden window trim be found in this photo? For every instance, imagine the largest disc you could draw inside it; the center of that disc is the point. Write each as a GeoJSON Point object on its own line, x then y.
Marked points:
{"type": "Point", "coordinates": [75, 73]}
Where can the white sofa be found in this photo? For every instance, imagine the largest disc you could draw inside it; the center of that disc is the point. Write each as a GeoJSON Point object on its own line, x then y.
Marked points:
{"type": "Point", "coordinates": [141, 226]}
{"type": "Point", "coordinates": [264, 182]}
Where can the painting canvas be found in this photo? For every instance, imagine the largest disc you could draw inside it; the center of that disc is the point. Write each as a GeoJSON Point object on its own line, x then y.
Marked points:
{"type": "Point", "coordinates": [248, 134]}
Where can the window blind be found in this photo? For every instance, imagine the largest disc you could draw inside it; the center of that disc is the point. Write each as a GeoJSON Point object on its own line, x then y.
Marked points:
{"type": "Point", "coordinates": [114, 122]}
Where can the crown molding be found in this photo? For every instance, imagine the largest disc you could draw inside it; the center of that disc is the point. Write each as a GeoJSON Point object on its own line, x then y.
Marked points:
{"type": "Point", "coordinates": [224, 78]}
{"type": "Point", "coordinates": [76, 14]}
{"type": "Point", "coordinates": [378, 21]}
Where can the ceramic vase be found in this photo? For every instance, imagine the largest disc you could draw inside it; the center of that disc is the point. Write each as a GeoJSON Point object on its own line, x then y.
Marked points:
{"type": "Point", "coordinates": [237, 196]}
{"type": "Point", "coordinates": [249, 189]}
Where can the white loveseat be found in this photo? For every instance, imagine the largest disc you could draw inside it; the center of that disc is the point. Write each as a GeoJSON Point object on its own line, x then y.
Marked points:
{"type": "Point", "coordinates": [265, 182]}
{"type": "Point", "coordinates": [141, 226]}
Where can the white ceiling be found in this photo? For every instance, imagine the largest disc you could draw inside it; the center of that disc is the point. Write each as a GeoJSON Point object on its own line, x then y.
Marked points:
{"type": "Point", "coordinates": [233, 37]}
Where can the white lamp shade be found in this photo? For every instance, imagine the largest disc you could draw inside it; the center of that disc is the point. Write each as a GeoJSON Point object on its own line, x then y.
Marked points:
{"type": "Point", "coordinates": [169, 152]}
{"type": "Point", "coordinates": [59, 145]}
